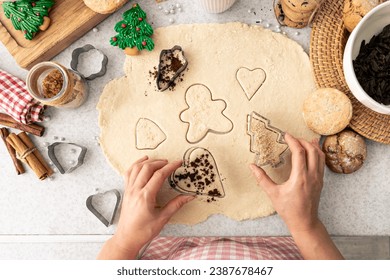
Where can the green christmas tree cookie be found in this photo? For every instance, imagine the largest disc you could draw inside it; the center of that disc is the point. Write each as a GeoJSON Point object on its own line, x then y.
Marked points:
{"type": "Point", "coordinates": [133, 32]}
{"type": "Point", "coordinates": [29, 16]}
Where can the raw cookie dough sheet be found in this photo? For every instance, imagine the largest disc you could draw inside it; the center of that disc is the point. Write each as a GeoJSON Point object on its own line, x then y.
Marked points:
{"type": "Point", "coordinates": [274, 79]}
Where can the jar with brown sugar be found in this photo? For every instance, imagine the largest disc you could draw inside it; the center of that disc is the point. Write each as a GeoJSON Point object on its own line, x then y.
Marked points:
{"type": "Point", "coordinates": [54, 85]}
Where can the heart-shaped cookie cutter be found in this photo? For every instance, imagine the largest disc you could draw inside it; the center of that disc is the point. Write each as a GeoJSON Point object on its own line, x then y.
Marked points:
{"type": "Point", "coordinates": [187, 163]}
{"type": "Point", "coordinates": [75, 61]}
{"type": "Point", "coordinates": [53, 157]}
{"type": "Point", "coordinates": [98, 215]}
{"type": "Point", "coordinates": [163, 86]}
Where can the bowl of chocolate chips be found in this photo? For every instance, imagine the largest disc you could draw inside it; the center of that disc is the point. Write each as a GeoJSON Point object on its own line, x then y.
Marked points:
{"type": "Point", "coordinates": [366, 61]}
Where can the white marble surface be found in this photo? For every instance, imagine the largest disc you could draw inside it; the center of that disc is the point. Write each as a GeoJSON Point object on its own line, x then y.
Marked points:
{"type": "Point", "coordinates": [357, 204]}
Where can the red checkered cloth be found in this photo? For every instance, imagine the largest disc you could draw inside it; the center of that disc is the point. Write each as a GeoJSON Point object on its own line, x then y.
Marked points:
{"type": "Point", "coordinates": [222, 248]}
{"type": "Point", "coordinates": [17, 102]}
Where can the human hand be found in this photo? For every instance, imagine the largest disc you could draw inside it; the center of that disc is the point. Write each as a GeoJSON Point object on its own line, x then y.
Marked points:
{"type": "Point", "coordinates": [297, 199]}
{"type": "Point", "coordinates": [140, 219]}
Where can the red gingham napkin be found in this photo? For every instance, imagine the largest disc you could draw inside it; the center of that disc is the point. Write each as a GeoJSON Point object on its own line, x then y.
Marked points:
{"type": "Point", "coordinates": [222, 248]}
{"type": "Point", "coordinates": [17, 102]}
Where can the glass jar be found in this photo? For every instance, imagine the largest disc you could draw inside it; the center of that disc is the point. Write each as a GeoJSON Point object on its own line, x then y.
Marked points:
{"type": "Point", "coordinates": [54, 85]}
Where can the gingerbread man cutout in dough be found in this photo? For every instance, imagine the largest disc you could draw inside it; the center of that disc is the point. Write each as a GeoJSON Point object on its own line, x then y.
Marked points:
{"type": "Point", "coordinates": [204, 114]}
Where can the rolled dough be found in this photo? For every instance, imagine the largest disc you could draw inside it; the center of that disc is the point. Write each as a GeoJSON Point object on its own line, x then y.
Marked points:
{"type": "Point", "coordinates": [215, 53]}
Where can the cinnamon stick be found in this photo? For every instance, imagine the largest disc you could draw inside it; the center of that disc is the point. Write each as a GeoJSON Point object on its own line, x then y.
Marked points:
{"type": "Point", "coordinates": [28, 153]}
{"type": "Point", "coordinates": [27, 141]}
{"type": "Point", "coordinates": [30, 128]}
{"type": "Point", "coordinates": [17, 163]}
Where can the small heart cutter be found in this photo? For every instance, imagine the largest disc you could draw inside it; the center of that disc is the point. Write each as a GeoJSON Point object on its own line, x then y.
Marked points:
{"type": "Point", "coordinates": [98, 215]}
{"type": "Point", "coordinates": [53, 157]}
{"type": "Point", "coordinates": [166, 77]}
{"type": "Point", "coordinates": [75, 61]}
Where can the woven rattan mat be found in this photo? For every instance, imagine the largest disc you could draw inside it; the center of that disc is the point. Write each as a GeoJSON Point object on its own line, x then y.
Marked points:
{"type": "Point", "coordinates": [328, 38]}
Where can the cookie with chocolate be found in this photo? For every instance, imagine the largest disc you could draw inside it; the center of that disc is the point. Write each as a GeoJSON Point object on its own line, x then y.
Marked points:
{"type": "Point", "coordinates": [294, 15]}
{"type": "Point", "coordinates": [284, 20]}
{"type": "Point", "coordinates": [302, 5]}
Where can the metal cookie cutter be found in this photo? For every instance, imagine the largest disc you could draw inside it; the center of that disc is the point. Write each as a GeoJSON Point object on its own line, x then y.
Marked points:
{"type": "Point", "coordinates": [53, 157]}
{"type": "Point", "coordinates": [75, 61]}
{"type": "Point", "coordinates": [165, 77]}
{"type": "Point", "coordinates": [107, 221]}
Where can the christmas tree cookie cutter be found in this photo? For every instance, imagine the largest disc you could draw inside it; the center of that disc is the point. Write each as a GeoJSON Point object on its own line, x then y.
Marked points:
{"type": "Point", "coordinates": [76, 58]}
{"type": "Point", "coordinates": [198, 175]}
{"type": "Point", "coordinates": [266, 141]}
{"type": "Point", "coordinates": [171, 64]}
{"type": "Point", "coordinates": [106, 218]}
{"type": "Point", "coordinates": [54, 159]}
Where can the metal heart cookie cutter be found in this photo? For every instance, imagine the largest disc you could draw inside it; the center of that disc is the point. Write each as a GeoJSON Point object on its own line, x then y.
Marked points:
{"type": "Point", "coordinates": [97, 208]}
{"type": "Point", "coordinates": [54, 159]}
{"type": "Point", "coordinates": [198, 175]}
{"type": "Point", "coordinates": [75, 61]}
{"type": "Point", "coordinates": [172, 63]}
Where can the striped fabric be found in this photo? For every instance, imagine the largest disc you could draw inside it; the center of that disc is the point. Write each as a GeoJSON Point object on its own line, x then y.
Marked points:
{"type": "Point", "coordinates": [16, 101]}
{"type": "Point", "coordinates": [222, 248]}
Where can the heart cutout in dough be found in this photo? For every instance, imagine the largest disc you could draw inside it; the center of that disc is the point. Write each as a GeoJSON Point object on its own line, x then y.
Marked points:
{"type": "Point", "coordinates": [104, 205]}
{"type": "Point", "coordinates": [250, 80]}
{"type": "Point", "coordinates": [198, 175]}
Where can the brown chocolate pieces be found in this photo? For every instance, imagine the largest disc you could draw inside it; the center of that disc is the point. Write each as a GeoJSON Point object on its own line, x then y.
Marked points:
{"type": "Point", "coordinates": [172, 64]}
{"type": "Point", "coordinates": [198, 176]}
{"type": "Point", "coordinates": [372, 66]}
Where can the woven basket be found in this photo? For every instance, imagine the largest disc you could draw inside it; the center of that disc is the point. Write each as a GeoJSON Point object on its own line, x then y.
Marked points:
{"type": "Point", "coordinates": [328, 39]}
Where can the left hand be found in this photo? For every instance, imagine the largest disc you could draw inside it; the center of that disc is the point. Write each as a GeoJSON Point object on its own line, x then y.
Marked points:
{"type": "Point", "coordinates": [140, 219]}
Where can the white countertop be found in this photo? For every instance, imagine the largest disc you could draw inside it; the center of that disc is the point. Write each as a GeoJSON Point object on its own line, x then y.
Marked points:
{"type": "Point", "coordinates": [30, 210]}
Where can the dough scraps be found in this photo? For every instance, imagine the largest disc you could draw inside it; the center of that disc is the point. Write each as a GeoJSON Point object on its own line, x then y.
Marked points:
{"type": "Point", "coordinates": [215, 52]}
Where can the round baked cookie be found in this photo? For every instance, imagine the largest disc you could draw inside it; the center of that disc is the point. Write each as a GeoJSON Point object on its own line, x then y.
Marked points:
{"type": "Point", "coordinates": [104, 6]}
{"type": "Point", "coordinates": [345, 152]}
{"type": "Point", "coordinates": [327, 111]}
{"type": "Point", "coordinates": [295, 16]}
{"type": "Point", "coordinates": [302, 5]}
{"type": "Point", "coordinates": [355, 10]}
{"type": "Point", "coordinates": [284, 20]}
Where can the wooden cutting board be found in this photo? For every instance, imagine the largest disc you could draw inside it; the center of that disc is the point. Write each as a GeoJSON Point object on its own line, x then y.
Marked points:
{"type": "Point", "coordinates": [70, 19]}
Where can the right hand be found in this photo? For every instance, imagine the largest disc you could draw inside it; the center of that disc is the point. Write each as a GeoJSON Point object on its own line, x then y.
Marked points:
{"type": "Point", "coordinates": [297, 199]}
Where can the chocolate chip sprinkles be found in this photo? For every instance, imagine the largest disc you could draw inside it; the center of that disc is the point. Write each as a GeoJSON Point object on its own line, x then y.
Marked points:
{"type": "Point", "coordinates": [199, 176]}
{"type": "Point", "coordinates": [372, 66]}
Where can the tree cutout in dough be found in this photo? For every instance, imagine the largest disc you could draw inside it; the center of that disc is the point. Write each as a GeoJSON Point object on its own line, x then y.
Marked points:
{"type": "Point", "coordinates": [204, 114]}
{"type": "Point", "coordinates": [266, 141]}
{"type": "Point", "coordinates": [148, 135]}
{"type": "Point", "coordinates": [198, 175]}
{"type": "Point", "coordinates": [250, 80]}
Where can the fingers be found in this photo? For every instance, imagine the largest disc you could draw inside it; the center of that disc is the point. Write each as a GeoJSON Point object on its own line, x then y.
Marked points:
{"type": "Point", "coordinates": [312, 156]}
{"type": "Point", "coordinates": [127, 174]}
{"type": "Point", "coordinates": [147, 171]}
{"type": "Point", "coordinates": [262, 178]}
{"type": "Point", "coordinates": [321, 160]}
{"type": "Point", "coordinates": [175, 204]}
{"type": "Point", "coordinates": [160, 175]}
{"type": "Point", "coordinates": [298, 155]}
